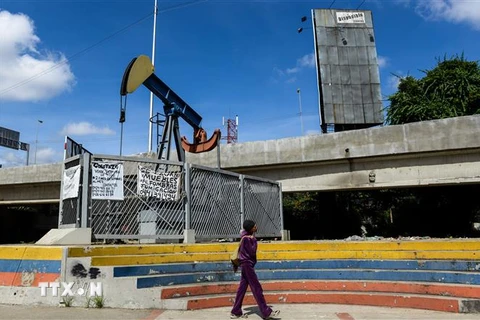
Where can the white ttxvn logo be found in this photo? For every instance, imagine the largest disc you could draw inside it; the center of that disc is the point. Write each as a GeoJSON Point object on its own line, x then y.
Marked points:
{"type": "Point", "coordinates": [68, 290]}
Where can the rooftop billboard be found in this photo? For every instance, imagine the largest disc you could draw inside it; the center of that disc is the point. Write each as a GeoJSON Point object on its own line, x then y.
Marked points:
{"type": "Point", "coordinates": [347, 69]}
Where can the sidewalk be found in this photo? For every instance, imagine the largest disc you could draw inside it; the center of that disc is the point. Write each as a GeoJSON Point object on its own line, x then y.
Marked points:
{"type": "Point", "coordinates": [288, 312]}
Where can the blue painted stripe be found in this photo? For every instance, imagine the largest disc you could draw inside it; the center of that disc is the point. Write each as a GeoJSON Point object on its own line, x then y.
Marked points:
{"type": "Point", "coordinates": [373, 264]}
{"type": "Point", "coordinates": [169, 269]}
{"type": "Point", "coordinates": [43, 266]}
{"type": "Point", "coordinates": [379, 275]}
{"type": "Point", "coordinates": [132, 271]}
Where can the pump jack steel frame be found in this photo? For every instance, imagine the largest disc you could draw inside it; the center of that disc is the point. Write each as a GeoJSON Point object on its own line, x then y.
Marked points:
{"type": "Point", "coordinates": [141, 71]}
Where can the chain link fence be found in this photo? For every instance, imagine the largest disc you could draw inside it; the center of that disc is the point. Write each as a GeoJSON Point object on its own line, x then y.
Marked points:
{"type": "Point", "coordinates": [142, 214]}
{"type": "Point", "coordinates": [261, 205]}
{"type": "Point", "coordinates": [215, 203]}
{"type": "Point", "coordinates": [139, 198]}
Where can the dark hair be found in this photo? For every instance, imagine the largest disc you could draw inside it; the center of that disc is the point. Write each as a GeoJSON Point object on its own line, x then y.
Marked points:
{"type": "Point", "coordinates": [248, 225]}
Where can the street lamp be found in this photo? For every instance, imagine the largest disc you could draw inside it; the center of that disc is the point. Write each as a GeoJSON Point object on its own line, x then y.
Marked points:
{"type": "Point", "coordinates": [36, 141]}
{"type": "Point", "coordinates": [300, 105]}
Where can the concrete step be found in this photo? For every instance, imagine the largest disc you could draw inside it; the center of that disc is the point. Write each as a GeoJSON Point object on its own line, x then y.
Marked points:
{"type": "Point", "coordinates": [281, 246]}
{"type": "Point", "coordinates": [149, 249]}
{"type": "Point", "coordinates": [190, 267]}
{"type": "Point", "coordinates": [426, 288]}
{"type": "Point", "coordinates": [313, 274]}
{"type": "Point", "coordinates": [415, 301]}
{"type": "Point", "coordinates": [146, 259]}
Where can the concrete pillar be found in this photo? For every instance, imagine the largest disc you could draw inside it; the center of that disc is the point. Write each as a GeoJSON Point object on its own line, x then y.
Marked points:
{"type": "Point", "coordinates": [285, 235]}
{"type": "Point", "coordinates": [188, 236]}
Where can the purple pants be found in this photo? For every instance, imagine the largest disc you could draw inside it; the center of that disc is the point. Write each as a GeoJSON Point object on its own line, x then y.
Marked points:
{"type": "Point", "coordinates": [249, 278]}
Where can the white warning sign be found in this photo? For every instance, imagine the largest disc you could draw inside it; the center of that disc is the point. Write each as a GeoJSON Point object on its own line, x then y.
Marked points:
{"type": "Point", "coordinates": [350, 17]}
{"type": "Point", "coordinates": [164, 186]}
{"type": "Point", "coordinates": [71, 182]}
{"type": "Point", "coordinates": [107, 180]}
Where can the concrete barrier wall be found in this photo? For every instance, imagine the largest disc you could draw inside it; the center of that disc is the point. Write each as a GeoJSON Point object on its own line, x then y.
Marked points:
{"type": "Point", "coordinates": [82, 267]}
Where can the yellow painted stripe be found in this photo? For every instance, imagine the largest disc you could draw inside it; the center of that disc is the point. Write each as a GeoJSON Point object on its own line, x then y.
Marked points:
{"type": "Point", "coordinates": [451, 245]}
{"type": "Point", "coordinates": [30, 253]}
{"type": "Point", "coordinates": [93, 251]}
{"type": "Point", "coordinates": [373, 255]}
{"type": "Point", "coordinates": [157, 259]}
{"type": "Point", "coordinates": [375, 245]}
{"type": "Point", "coordinates": [287, 255]}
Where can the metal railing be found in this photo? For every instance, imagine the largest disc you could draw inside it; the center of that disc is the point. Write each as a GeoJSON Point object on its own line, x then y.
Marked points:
{"type": "Point", "coordinates": [215, 203]}
{"type": "Point", "coordinates": [160, 199]}
{"type": "Point", "coordinates": [261, 205]}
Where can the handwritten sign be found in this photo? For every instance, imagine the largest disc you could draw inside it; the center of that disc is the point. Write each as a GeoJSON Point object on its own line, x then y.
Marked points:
{"type": "Point", "coordinates": [71, 182]}
{"type": "Point", "coordinates": [350, 17]}
{"type": "Point", "coordinates": [107, 180]}
{"type": "Point", "coordinates": [164, 186]}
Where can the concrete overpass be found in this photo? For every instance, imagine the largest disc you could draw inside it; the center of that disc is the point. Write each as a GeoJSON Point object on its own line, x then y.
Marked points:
{"type": "Point", "coordinates": [430, 153]}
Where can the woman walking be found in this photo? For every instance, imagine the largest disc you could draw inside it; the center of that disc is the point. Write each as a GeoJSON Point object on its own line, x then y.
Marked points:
{"type": "Point", "coordinates": [247, 255]}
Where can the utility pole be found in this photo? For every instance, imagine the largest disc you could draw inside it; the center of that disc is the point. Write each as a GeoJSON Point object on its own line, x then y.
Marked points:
{"type": "Point", "coordinates": [36, 141]}
{"type": "Point", "coordinates": [300, 105]}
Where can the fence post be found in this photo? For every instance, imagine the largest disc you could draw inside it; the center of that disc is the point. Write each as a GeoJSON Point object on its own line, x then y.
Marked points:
{"type": "Point", "coordinates": [78, 210]}
{"type": "Point", "coordinates": [85, 223]}
{"type": "Point", "coordinates": [242, 201]}
{"type": "Point", "coordinates": [60, 207]}
{"type": "Point", "coordinates": [284, 233]}
{"type": "Point", "coordinates": [188, 233]}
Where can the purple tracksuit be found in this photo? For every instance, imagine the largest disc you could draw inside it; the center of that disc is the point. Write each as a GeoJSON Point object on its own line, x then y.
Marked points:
{"type": "Point", "coordinates": [248, 258]}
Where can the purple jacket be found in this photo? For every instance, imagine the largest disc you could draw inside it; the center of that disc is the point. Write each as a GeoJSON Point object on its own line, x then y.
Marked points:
{"type": "Point", "coordinates": [248, 249]}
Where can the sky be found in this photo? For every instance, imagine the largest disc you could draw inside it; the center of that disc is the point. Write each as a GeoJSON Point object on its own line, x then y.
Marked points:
{"type": "Point", "coordinates": [62, 62]}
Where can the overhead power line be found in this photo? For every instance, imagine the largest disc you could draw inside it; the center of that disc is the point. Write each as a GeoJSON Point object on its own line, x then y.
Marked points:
{"type": "Point", "coordinates": [82, 52]}
{"type": "Point", "coordinates": [360, 4]}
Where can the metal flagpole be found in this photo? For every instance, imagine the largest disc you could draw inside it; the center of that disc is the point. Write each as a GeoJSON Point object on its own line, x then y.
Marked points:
{"type": "Point", "coordinates": [150, 124]}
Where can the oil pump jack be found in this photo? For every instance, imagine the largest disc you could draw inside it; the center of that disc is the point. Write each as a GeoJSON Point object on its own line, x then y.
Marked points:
{"type": "Point", "coordinates": [141, 71]}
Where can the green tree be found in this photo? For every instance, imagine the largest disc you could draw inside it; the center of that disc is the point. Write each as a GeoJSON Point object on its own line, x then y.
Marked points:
{"type": "Point", "coordinates": [451, 89]}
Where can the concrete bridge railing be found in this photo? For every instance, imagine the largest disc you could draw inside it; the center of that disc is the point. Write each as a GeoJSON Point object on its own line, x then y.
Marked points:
{"type": "Point", "coordinates": [439, 152]}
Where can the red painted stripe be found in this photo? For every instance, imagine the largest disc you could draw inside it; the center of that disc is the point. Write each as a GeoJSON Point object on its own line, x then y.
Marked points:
{"type": "Point", "coordinates": [28, 279]}
{"type": "Point", "coordinates": [344, 316]}
{"type": "Point", "coordinates": [153, 315]}
{"type": "Point", "coordinates": [446, 290]}
{"type": "Point", "coordinates": [414, 302]}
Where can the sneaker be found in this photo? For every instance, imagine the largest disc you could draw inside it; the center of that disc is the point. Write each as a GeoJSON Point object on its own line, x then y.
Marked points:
{"type": "Point", "coordinates": [242, 316]}
{"type": "Point", "coordinates": [273, 315]}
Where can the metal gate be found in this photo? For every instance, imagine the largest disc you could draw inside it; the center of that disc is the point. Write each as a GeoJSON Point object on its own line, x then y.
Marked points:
{"type": "Point", "coordinates": [136, 216]}
{"type": "Point", "coordinates": [70, 207]}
